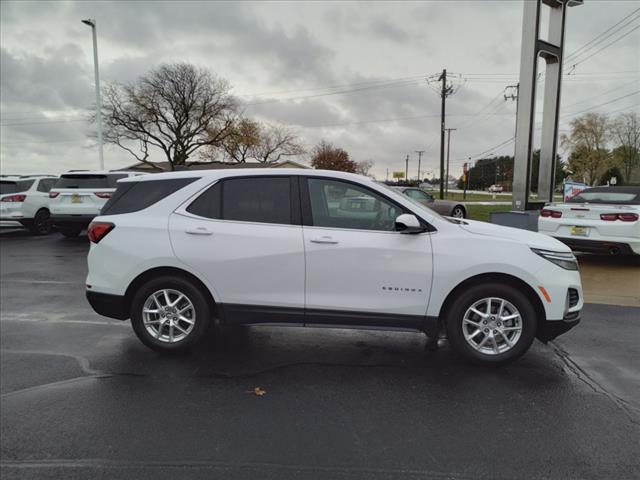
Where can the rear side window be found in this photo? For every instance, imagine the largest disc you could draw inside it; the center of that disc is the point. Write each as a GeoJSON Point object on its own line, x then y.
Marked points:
{"type": "Point", "coordinates": [46, 184]}
{"type": "Point", "coordinates": [257, 199]}
{"type": "Point", "coordinates": [135, 196]}
{"type": "Point", "coordinates": [15, 186]}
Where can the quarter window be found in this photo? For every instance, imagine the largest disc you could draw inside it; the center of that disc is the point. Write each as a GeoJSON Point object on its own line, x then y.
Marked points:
{"type": "Point", "coordinates": [339, 204]}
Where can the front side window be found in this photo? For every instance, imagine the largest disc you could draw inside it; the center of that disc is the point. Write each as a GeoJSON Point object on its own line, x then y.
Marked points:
{"type": "Point", "coordinates": [255, 199]}
{"type": "Point", "coordinates": [338, 204]}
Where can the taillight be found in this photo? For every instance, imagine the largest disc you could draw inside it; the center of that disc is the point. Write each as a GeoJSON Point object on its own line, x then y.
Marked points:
{"type": "Point", "coordinates": [624, 217]}
{"type": "Point", "coordinates": [14, 198]}
{"type": "Point", "coordinates": [550, 213]}
{"type": "Point", "coordinates": [53, 194]}
{"type": "Point", "coordinates": [98, 230]}
{"type": "Point", "coordinates": [103, 194]}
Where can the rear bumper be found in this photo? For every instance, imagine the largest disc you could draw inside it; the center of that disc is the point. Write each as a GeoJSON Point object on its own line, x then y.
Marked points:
{"type": "Point", "coordinates": [60, 220]}
{"type": "Point", "coordinates": [113, 306]}
{"type": "Point", "coordinates": [597, 246]}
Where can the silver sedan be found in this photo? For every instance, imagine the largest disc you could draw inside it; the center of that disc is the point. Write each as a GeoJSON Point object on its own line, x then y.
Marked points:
{"type": "Point", "coordinates": [447, 208]}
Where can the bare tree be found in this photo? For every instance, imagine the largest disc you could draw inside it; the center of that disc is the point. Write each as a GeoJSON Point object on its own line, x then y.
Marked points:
{"type": "Point", "coordinates": [276, 141]}
{"type": "Point", "coordinates": [176, 108]}
{"type": "Point", "coordinates": [625, 130]}
{"type": "Point", "coordinates": [364, 167]}
{"type": "Point", "coordinates": [588, 143]}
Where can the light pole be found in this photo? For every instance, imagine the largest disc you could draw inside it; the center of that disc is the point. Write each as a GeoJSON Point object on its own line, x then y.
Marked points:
{"type": "Point", "coordinates": [92, 24]}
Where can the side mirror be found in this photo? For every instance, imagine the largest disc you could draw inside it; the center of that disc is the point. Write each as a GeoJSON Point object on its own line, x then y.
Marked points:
{"type": "Point", "coordinates": [408, 223]}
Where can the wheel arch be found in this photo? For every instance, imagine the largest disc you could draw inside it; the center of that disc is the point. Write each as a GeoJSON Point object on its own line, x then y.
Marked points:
{"type": "Point", "coordinates": [170, 271]}
{"type": "Point", "coordinates": [461, 206]}
{"type": "Point", "coordinates": [504, 278]}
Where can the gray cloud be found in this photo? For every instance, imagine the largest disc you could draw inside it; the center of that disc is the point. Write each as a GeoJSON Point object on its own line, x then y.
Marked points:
{"type": "Point", "coordinates": [47, 72]}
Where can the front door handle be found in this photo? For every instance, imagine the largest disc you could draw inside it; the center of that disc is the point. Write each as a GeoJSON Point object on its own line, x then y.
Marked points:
{"type": "Point", "coordinates": [325, 239]}
{"type": "Point", "coordinates": [199, 231]}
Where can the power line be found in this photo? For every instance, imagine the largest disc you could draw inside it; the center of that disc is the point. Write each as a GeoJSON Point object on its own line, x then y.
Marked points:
{"type": "Point", "coordinates": [600, 105]}
{"type": "Point", "coordinates": [606, 46]}
{"type": "Point", "coordinates": [577, 53]}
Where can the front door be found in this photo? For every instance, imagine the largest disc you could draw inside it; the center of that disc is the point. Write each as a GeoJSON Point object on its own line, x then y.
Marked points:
{"type": "Point", "coordinates": [358, 268]}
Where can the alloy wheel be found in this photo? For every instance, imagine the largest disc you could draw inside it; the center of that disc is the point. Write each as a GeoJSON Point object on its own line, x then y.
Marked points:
{"type": "Point", "coordinates": [492, 326]}
{"type": "Point", "coordinates": [168, 315]}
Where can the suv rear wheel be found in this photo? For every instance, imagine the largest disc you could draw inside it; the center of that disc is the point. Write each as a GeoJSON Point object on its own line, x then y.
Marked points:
{"type": "Point", "coordinates": [491, 323]}
{"type": "Point", "coordinates": [41, 223]}
{"type": "Point", "coordinates": [170, 314]}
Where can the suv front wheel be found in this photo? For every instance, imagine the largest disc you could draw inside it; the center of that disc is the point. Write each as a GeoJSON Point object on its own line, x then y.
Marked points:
{"type": "Point", "coordinates": [492, 323]}
{"type": "Point", "coordinates": [170, 314]}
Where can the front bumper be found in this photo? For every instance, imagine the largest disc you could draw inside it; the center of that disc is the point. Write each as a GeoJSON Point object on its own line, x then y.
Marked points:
{"type": "Point", "coordinates": [550, 329]}
{"type": "Point", "coordinates": [60, 220]}
{"type": "Point", "coordinates": [113, 306]}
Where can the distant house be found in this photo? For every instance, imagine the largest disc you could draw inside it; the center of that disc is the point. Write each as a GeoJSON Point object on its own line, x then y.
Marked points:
{"type": "Point", "coordinates": [165, 166]}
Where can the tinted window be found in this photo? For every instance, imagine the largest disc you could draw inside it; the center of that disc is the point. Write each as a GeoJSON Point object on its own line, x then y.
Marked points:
{"type": "Point", "coordinates": [345, 205]}
{"type": "Point", "coordinates": [257, 199]}
{"type": "Point", "coordinates": [135, 196]}
{"type": "Point", "coordinates": [15, 186]}
{"type": "Point", "coordinates": [616, 196]}
{"type": "Point", "coordinates": [113, 178]}
{"type": "Point", "coordinates": [208, 204]}
{"type": "Point", "coordinates": [46, 184]}
{"type": "Point", "coordinates": [82, 181]}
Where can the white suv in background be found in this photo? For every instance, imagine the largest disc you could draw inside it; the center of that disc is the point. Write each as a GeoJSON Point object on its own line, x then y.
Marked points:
{"type": "Point", "coordinates": [78, 196]}
{"type": "Point", "coordinates": [172, 251]}
{"type": "Point", "coordinates": [25, 199]}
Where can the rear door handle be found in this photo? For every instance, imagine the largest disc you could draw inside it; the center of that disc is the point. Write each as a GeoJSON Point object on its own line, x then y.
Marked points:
{"type": "Point", "coordinates": [325, 239]}
{"type": "Point", "coordinates": [199, 231]}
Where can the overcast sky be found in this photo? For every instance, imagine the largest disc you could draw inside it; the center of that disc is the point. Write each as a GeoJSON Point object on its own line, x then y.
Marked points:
{"type": "Point", "coordinates": [378, 54]}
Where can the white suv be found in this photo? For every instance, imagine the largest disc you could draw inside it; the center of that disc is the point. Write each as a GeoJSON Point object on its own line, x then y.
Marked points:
{"type": "Point", "coordinates": [171, 251]}
{"type": "Point", "coordinates": [25, 199]}
{"type": "Point", "coordinates": [78, 196]}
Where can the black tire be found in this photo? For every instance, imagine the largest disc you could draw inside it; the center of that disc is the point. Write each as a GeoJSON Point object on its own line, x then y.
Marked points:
{"type": "Point", "coordinates": [200, 303]}
{"type": "Point", "coordinates": [459, 212]}
{"type": "Point", "coordinates": [455, 316]}
{"type": "Point", "coordinates": [70, 232]}
{"type": "Point", "coordinates": [41, 223]}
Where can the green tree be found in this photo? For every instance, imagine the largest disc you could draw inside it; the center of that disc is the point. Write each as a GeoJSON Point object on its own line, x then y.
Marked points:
{"type": "Point", "coordinates": [587, 141]}
{"type": "Point", "coordinates": [625, 132]}
{"type": "Point", "coordinates": [612, 172]}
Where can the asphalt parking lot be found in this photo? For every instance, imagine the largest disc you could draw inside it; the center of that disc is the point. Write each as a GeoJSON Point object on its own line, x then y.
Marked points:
{"type": "Point", "coordinates": [81, 397]}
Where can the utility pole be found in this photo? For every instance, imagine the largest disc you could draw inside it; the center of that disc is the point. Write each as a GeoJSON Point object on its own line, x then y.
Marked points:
{"type": "Point", "coordinates": [387, 179]}
{"type": "Point", "coordinates": [419, 152]}
{"type": "Point", "coordinates": [448, 150]}
{"type": "Point", "coordinates": [406, 170]}
{"type": "Point", "coordinates": [445, 91]}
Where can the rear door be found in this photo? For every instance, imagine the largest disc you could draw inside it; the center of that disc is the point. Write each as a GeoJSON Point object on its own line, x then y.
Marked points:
{"type": "Point", "coordinates": [244, 235]}
{"type": "Point", "coordinates": [359, 270]}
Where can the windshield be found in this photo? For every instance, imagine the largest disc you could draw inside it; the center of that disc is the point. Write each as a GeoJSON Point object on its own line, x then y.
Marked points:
{"type": "Point", "coordinates": [607, 197]}
{"type": "Point", "coordinates": [15, 186]}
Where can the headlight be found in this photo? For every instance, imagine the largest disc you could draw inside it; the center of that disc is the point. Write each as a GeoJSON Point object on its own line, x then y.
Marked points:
{"type": "Point", "coordinates": [565, 260]}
